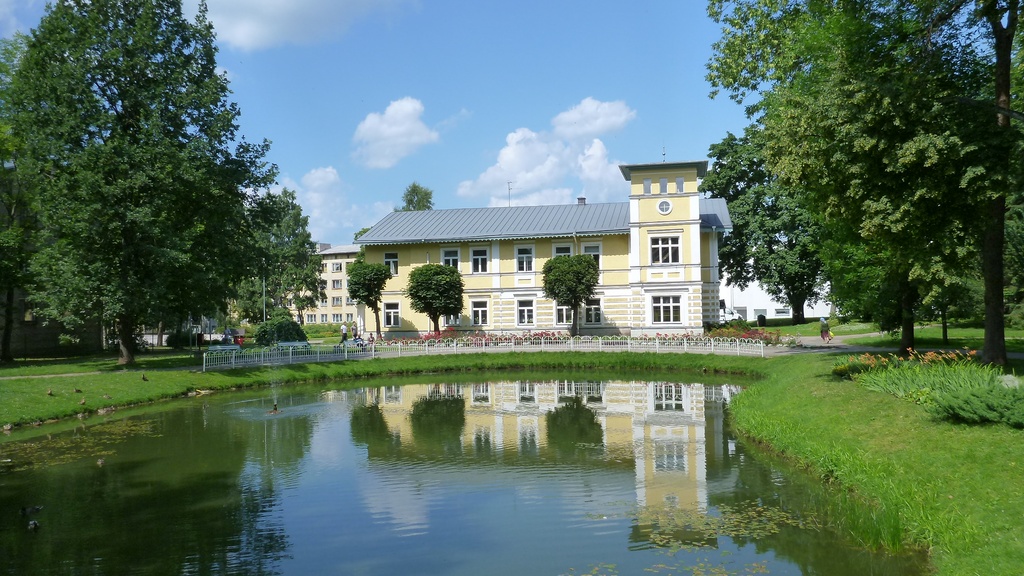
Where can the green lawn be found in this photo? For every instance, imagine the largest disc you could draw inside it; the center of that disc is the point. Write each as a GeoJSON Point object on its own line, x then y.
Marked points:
{"type": "Point", "coordinates": [926, 337]}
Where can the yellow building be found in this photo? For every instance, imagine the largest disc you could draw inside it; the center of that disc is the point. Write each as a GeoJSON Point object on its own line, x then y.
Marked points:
{"type": "Point", "coordinates": [657, 256]}
{"type": "Point", "coordinates": [337, 307]}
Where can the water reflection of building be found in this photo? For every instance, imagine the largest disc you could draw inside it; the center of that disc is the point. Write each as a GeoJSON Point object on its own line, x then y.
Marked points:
{"type": "Point", "coordinates": [660, 429]}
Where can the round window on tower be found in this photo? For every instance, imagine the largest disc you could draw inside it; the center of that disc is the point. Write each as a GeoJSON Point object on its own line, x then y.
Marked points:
{"type": "Point", "coordinates": [664, 207]}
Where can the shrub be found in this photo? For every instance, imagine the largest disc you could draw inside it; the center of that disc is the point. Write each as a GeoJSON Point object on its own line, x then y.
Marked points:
{"type": "Point", "coordinates": [921, 382]}
{"type": "Point", "coordinates": [279, 328]}
{"type": "Point", "coordinates": [988, 404]}
{"type": "Point", "coordinates": [179, 339]}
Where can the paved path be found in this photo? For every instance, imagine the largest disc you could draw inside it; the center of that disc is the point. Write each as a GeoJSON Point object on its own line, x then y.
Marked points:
{"type": "Point", "coordinates": [814, 344]}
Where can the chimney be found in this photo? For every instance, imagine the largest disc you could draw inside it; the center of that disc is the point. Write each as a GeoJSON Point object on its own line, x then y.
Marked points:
{"type": "Point", "coordinates": [581, 201]}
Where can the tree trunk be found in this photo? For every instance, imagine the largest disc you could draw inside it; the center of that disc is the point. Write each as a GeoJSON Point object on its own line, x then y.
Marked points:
{"type": "Point", "coordinates": [994, 349]}
{"type": "Point", "coordinates": [797, 307]}
{"type": "Point", "coordinates": [907, 301]}
{"type": "Point", "coordinates": [8, 327]}
{"type": "Point", "coordinates": [376, 318]}
{"type": "Point", "coordinates": [994, 218]}
{"type": "Point", "coordinates": [160, 333]}
{"type": "Point", "coordinates": [126, 341]}
{"type": "Point", "coordinates": [574, 326]}
{"type": "Point", "coordinates": [945, 325]}
{"type": "Point", "coordinates": [436, 321]}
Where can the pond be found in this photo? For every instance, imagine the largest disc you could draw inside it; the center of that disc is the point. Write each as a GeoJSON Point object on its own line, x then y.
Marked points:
{"type": "Point", "coordinates": [510, 476]}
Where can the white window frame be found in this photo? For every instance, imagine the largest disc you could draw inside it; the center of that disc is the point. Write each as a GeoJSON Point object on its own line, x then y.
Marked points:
{"type": "Point", "coordinates": [525, 312]}
{"type": "Point", "coordinates": [563, 315]}
{"type": "Point", "coordinates": [670, 246]}
{"type": "Point", "coordinates": [392, 314]}
{"type": "Point", "coordinates": [592, 311]}
{"type": "Point", "coordinates": [336, 300]}
{"type": "Point", "coordinates": [336, 267]}
{"type": "Point", "coordinates": [323, 318]}
{"type": "Point", "coordinates": [525, 256]}
{"type": "Point", "coordinates": [564, 247]}
{"type": "Point", "coordinates": [348, 317]}
{"type": "Point", "coordinates": [391, 259]}
{"type": "Point", "coordinates": [451, 320]}
{"type": "Point", "coordinates": [447, 259]}
{"type": "Point", "coordinates": [480, 263]}
{"type": "Point", "coordinates": [336, 285]}
{"type": "Point", "coordinates": [335, 318]}
{"type": "Point", "coordinates": [671, 303]}
{"type": "Point", "coordinates": [310, 318]}
{"type": "Point", "coordinates": [593, 249]}
{"type": "Point", "coordinates": [479, 313]}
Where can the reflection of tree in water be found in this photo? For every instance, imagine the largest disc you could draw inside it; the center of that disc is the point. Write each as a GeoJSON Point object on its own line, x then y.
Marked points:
{"type": "Point", "coordinates": [573, 428]}
{"type": "Point", "coordinates": [181, 500]}
{"type": "Point", "coordinates": [437, 425]}
{"type": "Point", "coordinates": [369, 428]}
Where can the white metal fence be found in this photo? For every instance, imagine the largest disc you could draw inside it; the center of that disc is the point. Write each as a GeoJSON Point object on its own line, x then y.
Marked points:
{"type": "Point", "coordinates": [277, 355]}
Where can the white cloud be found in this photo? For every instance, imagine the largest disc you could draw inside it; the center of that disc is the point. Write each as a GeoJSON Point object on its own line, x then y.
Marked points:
{"type": "Point", "coordinates": [592, 118]}
{"type": "Point", "coordinates": [257, 24]}
{"type": "Point", "coordinates": [602, 179]}
{"type": "Point", "coordinates": [384, 139]}
{"type": "Point", "coordinates": [333, 218]}
{"type": "Point", "coordinates": [542, 166]}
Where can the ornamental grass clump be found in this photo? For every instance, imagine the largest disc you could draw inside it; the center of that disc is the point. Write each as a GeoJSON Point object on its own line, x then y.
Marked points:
{"type": "Point", "coordinates": [951, 385]}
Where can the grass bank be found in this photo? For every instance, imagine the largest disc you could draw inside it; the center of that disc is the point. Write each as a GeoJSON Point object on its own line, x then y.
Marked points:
{"type": "Point", "coordinates": [902, 478]}
{"type": "Point", "coordinates": [906, 479]}
{"type": "Point", "coordinates": [44, 394]}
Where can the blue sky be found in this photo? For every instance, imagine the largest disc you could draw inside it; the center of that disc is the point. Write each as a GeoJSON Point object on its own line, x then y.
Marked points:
{"type": "Point", "coordinates": [362, 97]}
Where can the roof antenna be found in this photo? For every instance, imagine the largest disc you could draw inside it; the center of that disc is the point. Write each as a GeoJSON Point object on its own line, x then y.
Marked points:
{"type": "Point", "coordinates": [663, 154]}
{"type": "Point", "coordinates": [509, 193]}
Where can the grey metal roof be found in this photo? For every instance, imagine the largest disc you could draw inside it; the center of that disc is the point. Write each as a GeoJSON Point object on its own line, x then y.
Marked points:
{"type": "Point", "coordinates": [474, 224]}
{"type": "Point", "coordinates": [560, 221]}
{"type": "Point", "coordinates": [714, 214]}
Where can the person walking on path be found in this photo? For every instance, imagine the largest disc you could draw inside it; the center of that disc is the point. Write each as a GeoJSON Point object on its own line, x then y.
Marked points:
{"type": "Point", "coordinates": [344, 333]}
{"type": "Point", "coordinates": [826, 334]}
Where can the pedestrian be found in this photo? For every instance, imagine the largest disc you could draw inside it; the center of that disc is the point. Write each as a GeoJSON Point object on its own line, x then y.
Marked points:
{"type": "Point", "coordinates": [826, 334]}
{"type": "Point", "coordinates": [344, 333]}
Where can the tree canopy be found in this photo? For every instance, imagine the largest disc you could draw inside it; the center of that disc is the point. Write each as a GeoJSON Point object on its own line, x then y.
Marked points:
{"type": "Point", "coordinates": [774, 239]}
{"type": "Point", "coordinates": [435, 290]}
{"type": "Point", "coordinates": [416, 197]}
{"type": "Point", "coordinates": [287, 261]}
{"type": "Point", "coordinates": [17, 218]}
{"type": "Point", "coordinates": [570, 281]}
{"type": "Point", "coordinates": [892, 119]}
{"type": "Point", "coordinates": [366, 282]}
{"type": "Point", "coordinates": [132, 146]}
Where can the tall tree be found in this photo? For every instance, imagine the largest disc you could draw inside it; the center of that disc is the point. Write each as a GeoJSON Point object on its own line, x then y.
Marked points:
{"type": "Point", "coordinates": [128, 140]}
{"type": "Point", "coordinates": [570, 281]}
{"type": "Point", "coordinates": [435, 290]}
{"type": "Point", "coordinates": [366, 283]}
{"type": "Point", "coordinates": [416, 197]}
{"type": "Point", "coordinates": [289, 266]}
{"type": "Point", "coordinates": [873, 108]}
{"type": "Point", "coordinates": [16, 216]}
{"type": "Point", "coordinates": [774, 240]}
